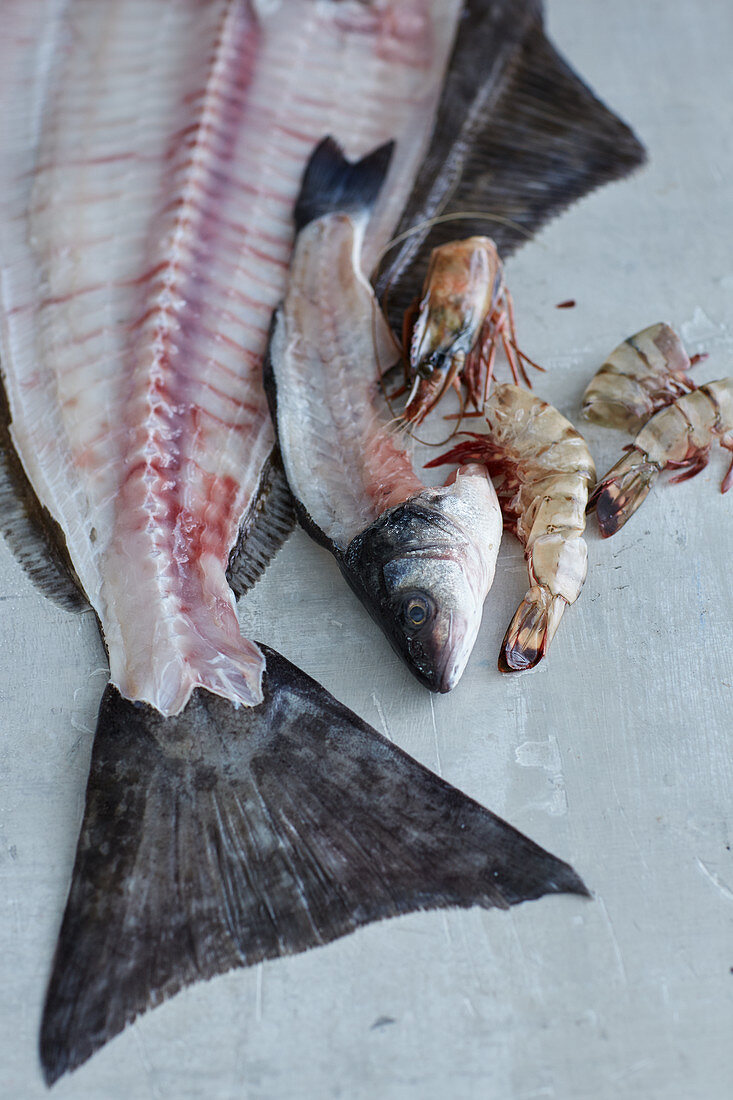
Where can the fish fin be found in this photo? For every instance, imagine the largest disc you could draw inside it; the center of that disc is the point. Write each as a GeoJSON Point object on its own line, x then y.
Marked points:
{"type": "Point", "coordinates": [332, 183]}
{"type": "Point", "coordinates": [225, 836]}
{"type": "Point", "coordinates": [30, 531]}
{"type": "Point", "coordinates": [269, 520]}
{"type": "Point", "coordinates": [520, 145]}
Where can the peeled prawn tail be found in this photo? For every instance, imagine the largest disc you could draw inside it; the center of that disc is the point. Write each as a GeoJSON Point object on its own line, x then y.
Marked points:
{"type": "Point", "coordinates": [531, 630]}
{"type": "Point", "coordinates": [622, 490]}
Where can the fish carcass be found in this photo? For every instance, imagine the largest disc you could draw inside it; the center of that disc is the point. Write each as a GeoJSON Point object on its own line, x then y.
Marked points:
{"type": "Point", "coordinates": [151, 155]}
{"type": "Point", "coordinates": [421, 560]}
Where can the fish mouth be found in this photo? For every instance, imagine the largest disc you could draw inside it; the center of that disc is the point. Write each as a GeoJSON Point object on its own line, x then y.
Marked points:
{"type": "Point", "coordinates": [453, 655]}
{"type": "Point", "coordinates": [439, 659]}
{"type": "Point", "coordinates": [442, 680]}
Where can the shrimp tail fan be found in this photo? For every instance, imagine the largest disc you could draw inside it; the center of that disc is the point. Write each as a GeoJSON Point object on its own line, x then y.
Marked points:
{"type": "Point", "coordinates": [224, 836]}
{"type": "Point", "coordinates": [624, 488]}
{"type": "Point", "coordinates": [531, 630]}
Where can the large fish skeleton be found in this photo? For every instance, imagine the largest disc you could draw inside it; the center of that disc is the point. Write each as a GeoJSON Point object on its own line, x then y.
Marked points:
{"type": "Point", "coordinates": [151, 154]}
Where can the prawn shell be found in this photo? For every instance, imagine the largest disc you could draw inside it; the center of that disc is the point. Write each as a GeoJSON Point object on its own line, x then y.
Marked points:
{"type": "Point", "coordinates": [560, 564]}
{"type": "Point", "coordinates": [564, 509]}
{"type": "Point", "coordinates": [644, 373]}
{"type": "Point", "coordinates": [721, 393]}
{"type": "Point", "coordinates": [463, 281]}
{"type": "Point", "coordinates": [676, 432]}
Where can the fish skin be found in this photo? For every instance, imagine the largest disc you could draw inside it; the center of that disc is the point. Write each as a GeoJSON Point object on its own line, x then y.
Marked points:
{"type": "Point", "coordinates": [405, 550]}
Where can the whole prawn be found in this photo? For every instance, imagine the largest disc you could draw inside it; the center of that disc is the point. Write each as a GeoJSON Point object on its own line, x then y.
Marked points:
{"type": "Point", "coordinates": [642, 375]}
{"type": "Point", "coordinates": [678, 437]}
{"type": "Point", "coordinates": [544, 472]}
{"type": "Point", "coordinates": [451, 334]}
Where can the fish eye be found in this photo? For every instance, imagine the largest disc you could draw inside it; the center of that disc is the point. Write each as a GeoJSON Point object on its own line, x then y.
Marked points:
{"type": "Point", "coordinates": [416, 611]}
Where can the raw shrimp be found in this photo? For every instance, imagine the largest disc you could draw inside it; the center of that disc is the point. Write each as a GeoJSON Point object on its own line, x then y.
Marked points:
{"type": "Point", "coordinates": [544, 472]}
{"type": "Point", "coordinates": [640, 376]}
{"type": "Point", "coordinates": [453, 331]}
{"type": "Point", "coordinates": [676, 438]}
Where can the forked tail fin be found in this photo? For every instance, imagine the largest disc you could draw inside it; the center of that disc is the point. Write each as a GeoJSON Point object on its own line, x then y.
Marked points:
{"type": "Point", "coordinates": [334, 184]}
{"type": "Point", "coordinates": [225, 836]}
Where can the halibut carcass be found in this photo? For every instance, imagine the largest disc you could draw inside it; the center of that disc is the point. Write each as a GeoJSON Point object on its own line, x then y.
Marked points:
{"type": "Point", "coordinates": [151, 154]}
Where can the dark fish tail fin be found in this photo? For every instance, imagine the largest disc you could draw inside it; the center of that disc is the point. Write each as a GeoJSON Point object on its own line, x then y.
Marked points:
{"type": "Point", "coordinates": [519, 142]}
{"type": "Point", "coordinates": [225, 836]}
{"type": "Point", "coordinates": [269, 520]}
{"type": "Point", "coordinates": [332, 183]}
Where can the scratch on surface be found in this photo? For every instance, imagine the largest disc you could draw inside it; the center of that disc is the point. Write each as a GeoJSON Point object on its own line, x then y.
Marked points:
{"type": "Point", "coordinates": [146, 1063]}
{"type": "Point", "coordinates": [629, 1071]}
{"type": "Point", "coordinates": [439, 767]}
{"type": "Point", "coordinates": [446, 929]}
{"type": "Point", "coordinates": [702, 611]}
{"type": "Point", "coordinates": [382, 716]}
{"type": "Point", "coordinates": [258, 994]}
{"type": "Point", "coordinates": [669, 1004]}
{"type": "Point", "coordinates": [81, 727]}
{"type": "Point", "coordinates": [530, 973]}
{"type": "Point", "coordinates": [614, 941]}
{"type": "Point", "coordinates": [627, 547]}
{"type": "Point", "coordinates": [716, 880]}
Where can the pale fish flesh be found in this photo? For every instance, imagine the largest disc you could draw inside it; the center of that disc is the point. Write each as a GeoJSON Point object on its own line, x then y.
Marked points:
{"type": "Point", "coordinates": [421, 559]}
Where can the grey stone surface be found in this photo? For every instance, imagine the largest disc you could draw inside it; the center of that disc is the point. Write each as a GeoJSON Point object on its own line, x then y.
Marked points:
{"type": "Point", "coordinates": [615, 753]}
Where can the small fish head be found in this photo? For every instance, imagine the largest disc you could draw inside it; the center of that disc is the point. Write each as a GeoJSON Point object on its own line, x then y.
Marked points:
{"type": "Point", "coordinates": [423, 575]}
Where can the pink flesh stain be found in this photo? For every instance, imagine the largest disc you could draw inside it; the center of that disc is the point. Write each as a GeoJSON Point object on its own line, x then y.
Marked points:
{"type": "Point", "coordinates": [389, 476]}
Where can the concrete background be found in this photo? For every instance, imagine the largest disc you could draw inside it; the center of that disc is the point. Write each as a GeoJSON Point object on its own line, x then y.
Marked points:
{"type": "Point", "coordinates": [615, 753]}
